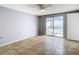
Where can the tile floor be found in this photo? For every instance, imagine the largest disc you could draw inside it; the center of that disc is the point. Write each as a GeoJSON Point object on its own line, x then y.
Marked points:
{"type": "Point", "coordinates": [41, 45]}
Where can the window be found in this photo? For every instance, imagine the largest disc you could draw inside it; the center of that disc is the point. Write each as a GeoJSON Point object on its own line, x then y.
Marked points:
{"type": "Point", "coordinates": [54, 26]}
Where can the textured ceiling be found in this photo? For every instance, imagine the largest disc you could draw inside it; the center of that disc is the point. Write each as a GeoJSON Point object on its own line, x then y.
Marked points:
{"type": "Point", "coordinates": [35, 10]}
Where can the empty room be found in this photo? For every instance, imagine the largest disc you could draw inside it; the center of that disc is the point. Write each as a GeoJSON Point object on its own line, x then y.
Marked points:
{"type": "Point", "coordinates": [39, 29]}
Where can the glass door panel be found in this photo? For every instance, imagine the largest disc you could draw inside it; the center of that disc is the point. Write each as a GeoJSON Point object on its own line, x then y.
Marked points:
{"type": "Point", "coordinates": [58, 26]}
{"type": "Point", "coordinates": [49, 26]}
{"type": "Point", "coordinates": [54, 26]}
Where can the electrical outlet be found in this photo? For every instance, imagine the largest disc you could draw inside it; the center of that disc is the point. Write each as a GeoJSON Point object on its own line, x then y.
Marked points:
{"type": "Point", "coordinates": [1, 37]}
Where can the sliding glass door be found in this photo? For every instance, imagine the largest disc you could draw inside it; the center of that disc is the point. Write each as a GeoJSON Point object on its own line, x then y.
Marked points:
{"type": "Point", "coordinates": [54, 26]}
{"type": "Point", "coordinates": [58, 26]}
{"type": "Point", "coordinates": [49, 26]}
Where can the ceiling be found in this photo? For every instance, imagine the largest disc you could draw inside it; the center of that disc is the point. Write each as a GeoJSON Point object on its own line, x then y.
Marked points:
{"type": "Point", "coordinates": [35, 10]}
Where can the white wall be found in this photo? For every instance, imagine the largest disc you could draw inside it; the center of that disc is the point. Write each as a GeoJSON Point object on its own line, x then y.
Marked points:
{"type": "Point", "coordinates": [73, 26]}
{"type": "Point", "coordinates": [0, 28]}
{"type": "Point", "coordinates": [16, 25]}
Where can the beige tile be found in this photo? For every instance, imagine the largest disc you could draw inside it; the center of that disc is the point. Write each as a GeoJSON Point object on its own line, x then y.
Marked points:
{"type": "Point", "coordinates": [41, 45]}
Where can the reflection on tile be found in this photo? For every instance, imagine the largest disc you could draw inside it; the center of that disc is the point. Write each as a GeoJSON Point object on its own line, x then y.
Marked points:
{"type": "Point", "coordinates": [41, 45]}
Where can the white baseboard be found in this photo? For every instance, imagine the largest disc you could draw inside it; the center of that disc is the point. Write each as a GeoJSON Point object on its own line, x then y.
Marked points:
{"type": "Point", "coordinates": [73, 40]}
{"type": "Point", "coordinates": [10, 42]}
{"type": "Point", "coordinates": [15, 41]}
